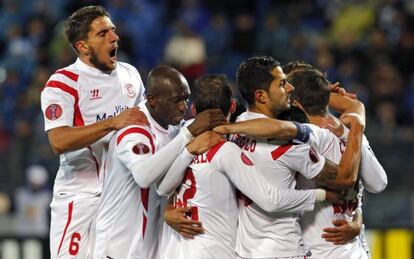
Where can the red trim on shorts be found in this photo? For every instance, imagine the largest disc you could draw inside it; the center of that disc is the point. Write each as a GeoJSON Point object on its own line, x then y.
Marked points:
{"type": "Point", "coordinates": [278, 152]}
{"type": "Point", "coordinates": [70, 210]}
{"type": "Point", "coordinates": [68, 74]}
{"type": "Point", "coordinates": [77, 119]}
{"type": "Point", "coordinates": [210, 154]}
{"type": "Point", "coordinates": [136, 130]}
{"type": "Point", "coordinates": [144, 200]}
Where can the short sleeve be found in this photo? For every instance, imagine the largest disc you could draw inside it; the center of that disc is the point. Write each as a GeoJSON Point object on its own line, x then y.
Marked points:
{"type": "Point", "coordinates": [301, 158]}
{"type": "Point", "coordinates": [134, 143]}
{"type": "Point", "coordinates": [58, 102]}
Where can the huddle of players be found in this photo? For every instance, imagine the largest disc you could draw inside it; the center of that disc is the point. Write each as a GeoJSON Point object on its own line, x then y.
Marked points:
{"type": "Point", "coordinates": [264, 192]}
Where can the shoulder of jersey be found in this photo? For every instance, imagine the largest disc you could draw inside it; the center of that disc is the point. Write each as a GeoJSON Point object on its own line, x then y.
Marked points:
{"type": "Point", "coordinates": [68, 75]}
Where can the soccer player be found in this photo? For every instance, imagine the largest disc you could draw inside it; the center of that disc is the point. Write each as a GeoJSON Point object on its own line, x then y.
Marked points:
{"type": "Point", "coordinates": [210, 182]}
{"type": "Point", "coordinates": [82, 103]}
{"type": "Point", "coordinates": [311, 96]}
{"type": "Point", "coordinates": [264, 87]}
{"type": "Point", "coordinates": [311, 89]}
{"type": "Point", "coordinates": [128, 222]}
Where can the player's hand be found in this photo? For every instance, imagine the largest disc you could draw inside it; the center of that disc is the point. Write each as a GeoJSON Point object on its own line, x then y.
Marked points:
{"type": "Point", "coordinates": [204, 142]}
{"type": "Point", "coordinates": [353, 120]}
{"type": "Point", "coordinates": [206, 120]}
{"type": "Point", "coordinates": [335, 87]}
{"type": "Point", "coordinates": [333, 124]}
{"type": "Point", "coordinates": [343, 232]}
{"type": "Point", "coordinates": [131, 116]}
{"type": "Point", "coordinates": [176, 218]}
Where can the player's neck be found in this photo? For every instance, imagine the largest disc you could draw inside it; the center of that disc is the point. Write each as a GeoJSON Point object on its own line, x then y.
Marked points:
{"type": "Point", "coordinates": [261, 109]}
{"type": "Point", "coordinates": [315, 119]}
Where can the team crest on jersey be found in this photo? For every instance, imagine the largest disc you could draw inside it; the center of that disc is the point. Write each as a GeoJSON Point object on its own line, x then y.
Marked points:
{"type": "Point", "coordinates": [130, 90]}
{"type": "Point", "coordinates": [313, 155]}
{"type": "Point", "coordinates": [140, 149]}
{"type": "Point", "coordinates": [53, 112]}
{"type": "Point", "coordinates": [246, 160]}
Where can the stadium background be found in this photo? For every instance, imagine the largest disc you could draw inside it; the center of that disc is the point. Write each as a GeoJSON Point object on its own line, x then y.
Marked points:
{"type": "Point", "coordinates": [368, 46]}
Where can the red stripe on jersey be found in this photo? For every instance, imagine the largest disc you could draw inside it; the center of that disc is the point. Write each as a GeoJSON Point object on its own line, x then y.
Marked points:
{"type": "Point", "coordinates": [96, 161]}
{"type": "Point", "coordinates": [144, 200]}
{"type": "Point", "coordinates": [77, 119]}
{"type": "Point", "coordinates": [68, 74]}
{"type": "Point", "coordinates": [210, 154]}
{"type": "Point", "coordinates": [136, 130]}
{"type": "Point", "coordinates": [70, 209]}
{"type": "Point", "coordinates": [278, 152]}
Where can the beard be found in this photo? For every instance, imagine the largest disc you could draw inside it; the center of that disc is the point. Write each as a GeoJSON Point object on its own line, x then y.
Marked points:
{"type": "Point", "coordinates": [97, 63]}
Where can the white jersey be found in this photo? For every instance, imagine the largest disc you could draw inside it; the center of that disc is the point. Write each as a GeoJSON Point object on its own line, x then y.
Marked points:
{"type": "Point", "coordinates": [209, 188]}
{"type": "Point", "coordinates": [129, 213]}
{"type": "Point", "coordinates": [267, 235]}
{"type": "Point", "coordinates": [313, 222]}
{"type": "Point", "coordinates": [80, 95]}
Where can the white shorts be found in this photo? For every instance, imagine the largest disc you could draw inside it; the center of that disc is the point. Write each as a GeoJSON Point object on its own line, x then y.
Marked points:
{"type": "Point", "coordinates": [72, 227]}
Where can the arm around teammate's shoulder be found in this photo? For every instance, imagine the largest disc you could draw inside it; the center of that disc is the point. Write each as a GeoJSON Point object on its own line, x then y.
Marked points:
{"type": "Point", "coordinates": [67, 138]}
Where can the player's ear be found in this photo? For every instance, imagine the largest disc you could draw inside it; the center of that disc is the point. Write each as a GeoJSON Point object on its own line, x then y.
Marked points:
{"type": "Point", "coordinates": [260, 96]}
{"type": "Point", "coordinates": [233, 106]}
{"type": "Point", "coordinates": [152, 100]}
{"type": "Point", "coordinates": [82, 47]}
{"type": "Point", "coordinates": [193, 110]}
{"type": "Point", "coordinates": [297, 104]}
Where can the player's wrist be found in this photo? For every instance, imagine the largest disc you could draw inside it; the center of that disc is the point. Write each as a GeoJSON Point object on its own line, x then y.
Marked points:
{"type": "Point", "coordinates": [303, 132]}
{"type": "Point", "coordinates": [320, 195]}
{"type": "Point", "coordinates": [187, 134]}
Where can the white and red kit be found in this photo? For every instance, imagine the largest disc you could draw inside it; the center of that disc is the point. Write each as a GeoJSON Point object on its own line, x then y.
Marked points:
{"type": "Point", "coordinates": [313, 222]}
{"type": "Point", "coordinates": [80, 95]}
{"type": "Point", "coordinates": [129, 213]}
{"type": "Point", "coordinates": [209, 188]}
{"type": "Point", "coordinates": [272, 235]}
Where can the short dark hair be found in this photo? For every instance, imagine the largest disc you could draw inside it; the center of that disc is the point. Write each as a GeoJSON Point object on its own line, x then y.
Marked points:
{"type": "Point", "coordinates": [295, 66]}
{"type": "Point", "coordinates": [311, 90]}
{"type": "Point", "coordinates": [78, 24]}
{"type": "Point", "coordinates": [254, 74]}
{"type": "Point", "coordinates": [211, 92]}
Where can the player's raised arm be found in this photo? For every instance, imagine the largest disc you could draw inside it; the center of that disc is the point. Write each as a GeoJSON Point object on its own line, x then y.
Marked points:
{"type": "Point", "coordinates": [347, 170]}
{"type": "Point", "coordinates": [344, 104]}
{"type": "Point", "coordinates": [67, 138]}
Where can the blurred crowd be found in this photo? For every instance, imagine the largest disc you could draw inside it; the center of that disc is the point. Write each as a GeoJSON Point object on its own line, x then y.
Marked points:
{"type": "Point", "coordinates": [368, 46]}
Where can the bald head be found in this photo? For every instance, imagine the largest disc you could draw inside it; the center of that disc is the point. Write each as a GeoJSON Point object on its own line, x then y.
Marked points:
{"type": "Point", "coordinates": [164, 78]}
{"type": "Point", "coordinates": [167, 92]}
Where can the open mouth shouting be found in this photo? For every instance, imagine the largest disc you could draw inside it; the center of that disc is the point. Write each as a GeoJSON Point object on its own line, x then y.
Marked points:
{"type": "Point", "coordinates": [112, 54]}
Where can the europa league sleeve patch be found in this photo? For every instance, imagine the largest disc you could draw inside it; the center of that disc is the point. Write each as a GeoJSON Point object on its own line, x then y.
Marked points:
{"type": "Point", "coordinates": [313, 155]}
{"type": "Point", "coordinates": [140, 149]}
{"type": "Point", "coordinates": [246, 160]}
{"type": "Point", "coordinates": [53, 112]}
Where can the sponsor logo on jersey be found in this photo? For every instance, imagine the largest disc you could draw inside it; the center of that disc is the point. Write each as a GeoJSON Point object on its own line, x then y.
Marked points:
{"type": "Point", "coordinates": [140, 149]}
{"type": "Point", "coordinates": [313, 155]}
{"type": "Point", "coordinates": [246, 160]}
{"type": "Point", "coordinates": [53, 112]}
{"type": "Point", "coordinates": [94, 94]}
{"type": "Point", "coordinates": [117, 110]}
{"type": "Point", "coordinates": [130, 90]}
